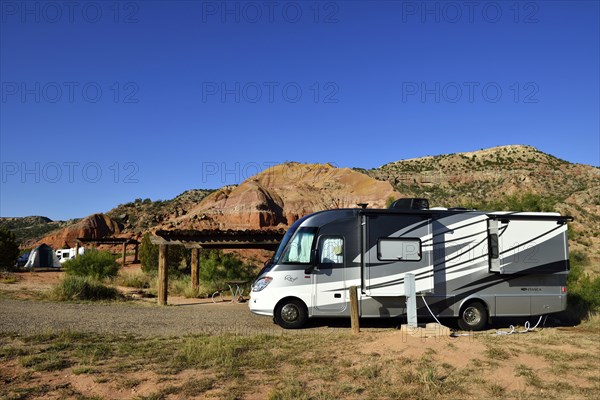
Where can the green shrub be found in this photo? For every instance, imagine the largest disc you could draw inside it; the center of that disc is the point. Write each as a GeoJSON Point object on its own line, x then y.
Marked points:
{"type": "Point", "coordinates": [149, 257]}
{"type": "Point", "coordinates": [9, 249]}
{"type": "Point", "coordinates": [584, 291]}
{"type": "Point", "coordinates": [578, 257]}
{"type": "Point", "coordinates": [83, 288]}
{"type": "Point", "coordinates": [520, 202]}
{"type": "Point", "coordinates": [134, 280]}
{"type": "Point", "coordinates": [217, 267]}
{"type": "Point", "coordinates": [93, 263]}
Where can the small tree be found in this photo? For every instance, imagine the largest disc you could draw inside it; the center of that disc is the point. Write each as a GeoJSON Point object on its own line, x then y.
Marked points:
{"type": "Point", "coordinates": [389, 201]}
{"type": "Point", "coordinates": [9, 249]}
{"type": "Point", "coordinates": [216, 268]}
{"type": "Point", "coordinates": [149, 256]}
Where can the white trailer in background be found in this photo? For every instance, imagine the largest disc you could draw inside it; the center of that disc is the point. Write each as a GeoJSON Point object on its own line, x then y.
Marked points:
{"type": "Point", "coordinates": [66, 254]}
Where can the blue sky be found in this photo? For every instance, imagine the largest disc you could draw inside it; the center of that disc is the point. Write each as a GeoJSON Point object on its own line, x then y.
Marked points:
{"type": "Point", "coordinates": [103, 102]}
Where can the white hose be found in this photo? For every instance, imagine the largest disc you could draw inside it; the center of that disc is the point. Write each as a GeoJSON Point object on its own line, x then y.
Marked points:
{"type": "Point", "coordinates": [430, 312]}
{"type": "Point", "coordinates": [511, 327]}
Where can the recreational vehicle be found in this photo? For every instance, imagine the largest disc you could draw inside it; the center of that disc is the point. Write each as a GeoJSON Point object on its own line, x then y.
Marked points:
{"type": "Point", "coordinates": [468, 265]}
{"type": "Point", "coordinates": [67, 254]}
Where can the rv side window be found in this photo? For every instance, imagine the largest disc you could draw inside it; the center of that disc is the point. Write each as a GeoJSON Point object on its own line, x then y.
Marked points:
{"type": "Point", "coordinates": [399, 250]}
{"type": "Point", "coordinates": [299, 248]}
{"type": "Point", "coordinates": [494, 253]}
{"type": "Point", "coordinates": [332, 250]}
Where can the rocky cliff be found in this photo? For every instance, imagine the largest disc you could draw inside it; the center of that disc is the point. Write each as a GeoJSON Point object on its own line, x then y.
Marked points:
{"type": "Point", "coordinates": [280, 195]}
{"type": "Point", "coordinates": [95, 226]}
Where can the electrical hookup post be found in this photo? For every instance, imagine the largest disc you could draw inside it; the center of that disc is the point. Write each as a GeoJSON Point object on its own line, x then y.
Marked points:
{"type": "Point", "coordinates": [411, 301]}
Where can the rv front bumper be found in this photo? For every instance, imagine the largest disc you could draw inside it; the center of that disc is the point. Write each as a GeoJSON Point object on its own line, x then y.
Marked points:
{"type": "Point", "coordinates": [259, 307]}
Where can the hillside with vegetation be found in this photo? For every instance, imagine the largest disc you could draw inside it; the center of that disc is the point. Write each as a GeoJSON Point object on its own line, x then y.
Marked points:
{"type": "Point", "coordinates": [140, 216]}
{"type": "Point", "coordinates": [512, 177]}
{"type": "Point", "coordinates": [515, 178]}
{"type": "Point", "coordinates": [28, 229]}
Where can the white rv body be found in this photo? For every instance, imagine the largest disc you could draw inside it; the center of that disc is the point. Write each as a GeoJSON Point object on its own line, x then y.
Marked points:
{"type": "Point", "coordinates": [466, 263]}
{"type": "Point", "coordinates": [67, 254]}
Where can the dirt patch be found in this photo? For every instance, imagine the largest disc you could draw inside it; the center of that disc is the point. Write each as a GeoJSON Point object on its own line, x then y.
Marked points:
{"type": "Point", "coordinates": [196, 349]}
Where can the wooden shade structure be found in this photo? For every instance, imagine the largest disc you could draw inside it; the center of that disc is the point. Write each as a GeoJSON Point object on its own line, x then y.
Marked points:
{"type": "Point", "coordinates": [111, 241]}
{"type": "Point", "coordinates": [208, 239]}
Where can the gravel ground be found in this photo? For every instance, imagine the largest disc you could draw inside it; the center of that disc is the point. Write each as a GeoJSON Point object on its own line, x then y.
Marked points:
{"type": "Point", "coordinates": [27, 317]}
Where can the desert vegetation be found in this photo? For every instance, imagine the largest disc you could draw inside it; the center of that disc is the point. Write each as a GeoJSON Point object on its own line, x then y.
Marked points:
{"type": "Point", "coordinates": [382, 364]}
{"type": "Point", "coordinates": [9, 249]}
{"type": "Point", "coordinates": [87, 277]}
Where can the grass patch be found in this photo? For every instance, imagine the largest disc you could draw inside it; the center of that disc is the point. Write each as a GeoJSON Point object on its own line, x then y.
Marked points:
{"type": "Point", "coordinates": [529, 374]}
{"type": "Point", "coordinates": [497, 353]}
{"type": "Point", "coordinates": [320, 365]}
{"type": "Point", "coordinates": [45, 362]}
{"type": "Point", "coordinates": [135, 280]}
{"type": "Point", "coordinates": [8, 278]}
{"type": "Point", "coordinates": [495, 390]}
{"type": "Point", "coordinates": [73, 288]}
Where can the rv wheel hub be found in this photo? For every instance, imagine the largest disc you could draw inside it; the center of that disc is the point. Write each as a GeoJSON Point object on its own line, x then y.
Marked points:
{"type": "Point", "coordinates": [472, 316]}
{"type": "Point", "coordinates": [289, 313]}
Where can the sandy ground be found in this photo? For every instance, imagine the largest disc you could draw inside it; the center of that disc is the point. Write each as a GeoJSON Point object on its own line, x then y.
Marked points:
{"type": "Point", "coordinates": [195, 316]}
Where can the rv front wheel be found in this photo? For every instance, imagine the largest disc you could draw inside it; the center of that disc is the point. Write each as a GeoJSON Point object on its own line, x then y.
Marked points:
{"type": "Point", "coordinates": [291, 314]}
{"type": "Point", "coordinates": [473, 317]}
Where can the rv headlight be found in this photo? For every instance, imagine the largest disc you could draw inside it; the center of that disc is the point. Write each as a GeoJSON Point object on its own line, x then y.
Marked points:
{"type": "Point", "coordinates": [261, 284]}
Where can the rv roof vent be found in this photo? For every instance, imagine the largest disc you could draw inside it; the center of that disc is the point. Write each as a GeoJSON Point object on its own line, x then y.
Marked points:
{"type": "Point", "coordinates": [412, 204]}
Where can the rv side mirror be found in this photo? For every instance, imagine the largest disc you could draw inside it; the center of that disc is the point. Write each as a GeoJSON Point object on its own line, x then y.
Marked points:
{"type": "Point", "coordinates": [314, 257]}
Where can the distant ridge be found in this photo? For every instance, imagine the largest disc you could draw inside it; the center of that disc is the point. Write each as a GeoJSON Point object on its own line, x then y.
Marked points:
{"type": "Point", "coordinates": [281, 194]}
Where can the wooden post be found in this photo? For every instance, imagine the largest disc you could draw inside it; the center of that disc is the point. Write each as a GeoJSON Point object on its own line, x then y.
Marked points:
{"type": "Point", "coordinates": [195, 268]}
{"type": "Point", "coordinates": [124, 252]}
{"type": "Point", "coordinates": [354, 318]}
{"type": "Point", "coordinates": [76, 249]}
{"type": "Point", "coordinates": [135, 255]}
{"type": "Point", "coordinates": [163, 275]}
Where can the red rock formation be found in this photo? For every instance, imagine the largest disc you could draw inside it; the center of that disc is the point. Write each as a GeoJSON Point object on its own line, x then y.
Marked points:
{"type": "Point", "coordinates": [280, 195]}
{"type": "Point", "coordinates": [95, 226]}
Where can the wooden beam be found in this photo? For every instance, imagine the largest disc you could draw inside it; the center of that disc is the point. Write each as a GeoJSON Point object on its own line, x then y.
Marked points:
{"type": "Point", "coordinates": [163, 274]}
{"type": "Point", "coordinates": [190, 245]}
{"type": "Point", "coordinates": [354, 316]}
{"type": "Point", "coordinates": [136, 254]}
{"type": "Point", "coordinates": [195, 268]}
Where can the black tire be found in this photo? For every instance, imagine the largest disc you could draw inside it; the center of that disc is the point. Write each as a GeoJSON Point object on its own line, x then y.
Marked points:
{"type": "Point", "coordinates": [291, 314]}
{"type": "Point", "coordinates": [473, 317]}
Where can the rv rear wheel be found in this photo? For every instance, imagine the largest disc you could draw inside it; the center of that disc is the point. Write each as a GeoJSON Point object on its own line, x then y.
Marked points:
{"type": "Point", "coordinates": [473, 317]}
{"type": "Point", "coordinates": [291, 314]}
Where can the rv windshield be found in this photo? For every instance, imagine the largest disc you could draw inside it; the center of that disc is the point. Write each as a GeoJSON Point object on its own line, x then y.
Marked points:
{"type": "Point", "coordinates": [286, 238]}
{"type": "Point", "coordinates": [298, 249]}
{"type": "Point", "coordinates": [296, 245]}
